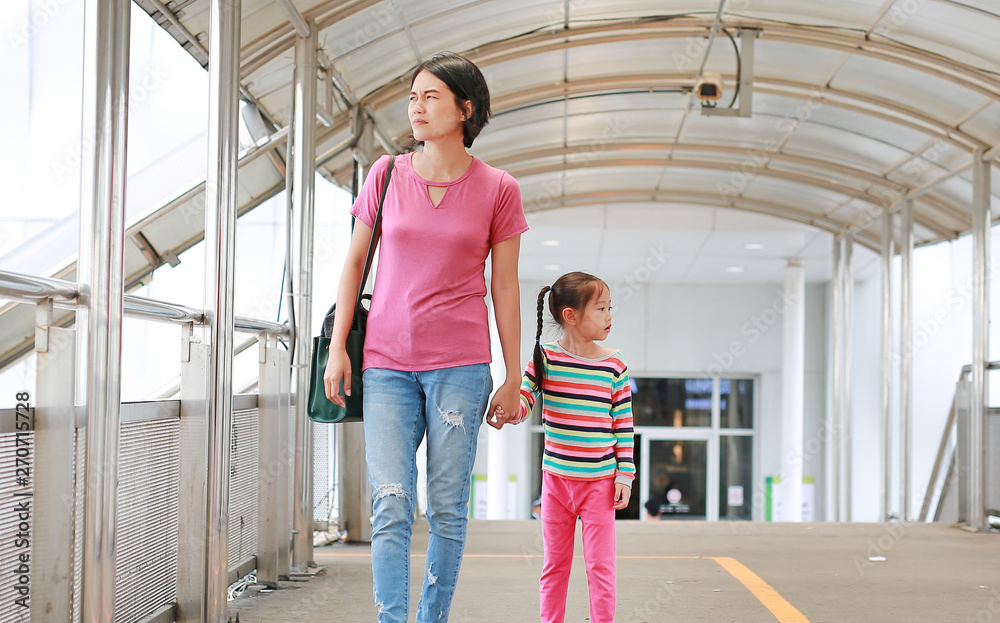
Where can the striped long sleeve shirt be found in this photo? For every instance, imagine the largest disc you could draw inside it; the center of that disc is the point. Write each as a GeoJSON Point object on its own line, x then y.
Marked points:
{"type": "Point", "coordinates": [586, 415]}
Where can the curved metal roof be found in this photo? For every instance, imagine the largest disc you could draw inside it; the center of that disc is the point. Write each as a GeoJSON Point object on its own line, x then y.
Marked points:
{"type": "Point", "coordinates": [855, 104]}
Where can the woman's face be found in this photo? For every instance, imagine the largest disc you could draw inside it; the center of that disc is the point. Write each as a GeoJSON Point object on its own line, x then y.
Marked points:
{"type": "Point", "coordinates": [433, 112]}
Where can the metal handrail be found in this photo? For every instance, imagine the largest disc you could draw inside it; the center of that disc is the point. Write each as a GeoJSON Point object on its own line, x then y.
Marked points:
{"type": "Point", "coordinates": [32, 289]}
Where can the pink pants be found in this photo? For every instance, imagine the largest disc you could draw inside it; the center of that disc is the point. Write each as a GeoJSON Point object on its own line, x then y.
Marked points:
{"type": "Point", "coordinates": [563, 500]}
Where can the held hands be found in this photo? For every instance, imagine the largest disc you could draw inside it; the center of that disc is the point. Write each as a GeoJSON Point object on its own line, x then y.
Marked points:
{"type": "Point", "coordinates": [338, 367]}
{"type": "Point", "coordinates": [622, 494]}
{"type": "Point", "coordinates": [504, 406]}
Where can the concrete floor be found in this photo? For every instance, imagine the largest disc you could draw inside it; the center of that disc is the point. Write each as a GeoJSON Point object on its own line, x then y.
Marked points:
{"type": "Point", "coordinates": [685, 571]}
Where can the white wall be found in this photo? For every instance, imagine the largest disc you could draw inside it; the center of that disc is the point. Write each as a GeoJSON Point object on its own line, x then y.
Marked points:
{"type": "Point", "coordinates": [695, 330]}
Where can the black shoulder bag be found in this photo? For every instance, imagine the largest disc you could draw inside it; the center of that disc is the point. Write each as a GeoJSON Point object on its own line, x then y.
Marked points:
{"type": "Point", "coordinates": [321, 409]}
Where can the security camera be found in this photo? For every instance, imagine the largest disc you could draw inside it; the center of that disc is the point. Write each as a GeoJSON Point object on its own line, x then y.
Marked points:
{"type": "Point", "coordinates": [709, 88]}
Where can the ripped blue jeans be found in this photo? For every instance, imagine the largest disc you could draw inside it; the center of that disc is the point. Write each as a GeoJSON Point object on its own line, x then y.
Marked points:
{"type": "Point", "coordinates": [400, 407]}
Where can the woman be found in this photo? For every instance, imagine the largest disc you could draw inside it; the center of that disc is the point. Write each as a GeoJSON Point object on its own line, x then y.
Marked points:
{"type": "Point", "coordinates": [427, 347]}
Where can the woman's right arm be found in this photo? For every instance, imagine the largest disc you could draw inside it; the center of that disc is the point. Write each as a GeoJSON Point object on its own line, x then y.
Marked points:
{"type": "Point", "coordinates": [338, 366]}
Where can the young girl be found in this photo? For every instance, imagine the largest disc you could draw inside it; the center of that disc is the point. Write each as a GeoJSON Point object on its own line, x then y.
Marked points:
{"type": "Point", "coordinates": [427, 349]}
{"type": "Point", "coordinates": [587, 466]}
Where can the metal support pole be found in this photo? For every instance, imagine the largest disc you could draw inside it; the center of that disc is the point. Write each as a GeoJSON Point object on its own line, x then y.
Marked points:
{"type": "Point", "coordinates": [220, 239]}
{"type": "Point", "coordinates": [101, 265]}
{"type": "Point", "coordinates": [978, 403]}
{"type": "Point", "coordinates": [847, 400]}
{"type": "Point", "coordinates": [302, 176]}
{"type": "Point", "coordinates": [792, 390]}
{"type": "Point", "coordinates": [888, 250]}
{"type": "Point", "coordinates": [906, 356]}
{"type": "Point", "coordinates": [55, 423]}
{"type": "Point", "coordinates": [270, 457]}
{"type": "Point", "coordinates": [191, 493]}
{"type": "Point", "coordinates": [355, 497]}
{"type": "Point", "coordinates": [837, 364]}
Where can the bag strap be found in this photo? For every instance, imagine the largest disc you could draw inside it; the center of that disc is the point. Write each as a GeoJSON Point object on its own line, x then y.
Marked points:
{"type": "Point", "coordinates": [376, 234]}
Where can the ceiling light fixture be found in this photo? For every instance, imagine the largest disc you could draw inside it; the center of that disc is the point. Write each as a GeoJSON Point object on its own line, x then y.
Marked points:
{"type": "Point", "coordinates": [753, 246]}
{"type": "Point", "coordinates": [551, 243]}
{"type": "Point", "coordinates": [735, 269]}
{"type": "Point", "coordinates": [552, 267]}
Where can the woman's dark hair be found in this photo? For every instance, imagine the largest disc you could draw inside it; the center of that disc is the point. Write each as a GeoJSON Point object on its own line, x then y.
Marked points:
{"type": "Point", "coordinates": [572, 290]}
{"type": "Point", "coordinates": [467, 83]}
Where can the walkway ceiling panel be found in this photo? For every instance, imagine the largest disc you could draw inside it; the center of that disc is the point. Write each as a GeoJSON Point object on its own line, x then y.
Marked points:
{"type": "Point", "coordinates": [592, 131]}
{"type": "Point", "coordinates": [854, 14]}
{"type": "Point", "coordinates": [947, 28]}
{"type": "Point", "coordinates": [929, 94]}
{"type": "Point", "coordinates": [478, 23]}
{"type": "Point", "coordinates": [803, 197]}
{"type": "Point", "coordinates": [897, 135]}
{"type": "Point", "coordinates": [261, 16]}
{"type": "Point", "coordinates": [597, 178]}
{"type": "Point", "coordinates": [378, 63]}
{"type": "Point", "coordinates": [636, 9]}
{"type": "Point", "coordinates": [985, 125]}
{"type": "Point", "coordinates": [851, 177]}
{"type": "Point", "coordinates": [795, 61]}
{"type": "Point", "coordinates": [754, 131]}
{"type": "Point", "coordinates": [514, 118]}
{"type": "Point", "coordinates": [820, 141]}
{"type": "Point", "coordinates": [257, 179]}
{"type": "Point", "coordinates": [272, 89]}
{"type": "Point", "coordinates": [701, 180]}
{"type": "Point", "coordinates": [665, 103]}
{"type": "Point", "coordinates": [395, 119]}
{"type": "Point", "coordinates": [645, 56]}
{"type": "Point", "coordinates": [521, 137]}
{"type": "Point", "coordinates": [546, 68]}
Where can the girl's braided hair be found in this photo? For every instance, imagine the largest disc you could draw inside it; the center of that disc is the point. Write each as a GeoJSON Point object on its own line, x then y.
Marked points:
{"type": "Point", "coordinates": [572, 290]}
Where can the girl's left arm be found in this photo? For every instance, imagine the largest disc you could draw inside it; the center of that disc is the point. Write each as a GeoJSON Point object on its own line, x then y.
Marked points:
{"type": "Point", "coordinates": [506, 293]}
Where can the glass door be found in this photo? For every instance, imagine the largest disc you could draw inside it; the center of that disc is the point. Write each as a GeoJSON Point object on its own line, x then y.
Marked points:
{"type": "Point", "coordinates": [678, 483]}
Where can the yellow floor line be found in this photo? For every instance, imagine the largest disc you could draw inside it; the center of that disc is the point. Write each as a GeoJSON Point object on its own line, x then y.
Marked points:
{"type": "Point", "coordinates": [781, 609]}
{"type": "Point", "coordinates": [784, 611]}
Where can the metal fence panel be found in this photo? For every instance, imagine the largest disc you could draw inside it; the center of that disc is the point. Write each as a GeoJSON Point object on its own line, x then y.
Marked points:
{"type": "Point", "coordinates": [243, 487]}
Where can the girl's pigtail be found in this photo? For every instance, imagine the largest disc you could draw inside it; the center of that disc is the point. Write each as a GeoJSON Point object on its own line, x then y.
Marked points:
{"type": "Point", "coordinates": [538, 358]}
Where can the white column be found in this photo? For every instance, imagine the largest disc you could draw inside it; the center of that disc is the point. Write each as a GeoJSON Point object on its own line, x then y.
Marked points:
{"type": "Point", "coordinates": [905, 355]}
{"type": "Point", "coordinates": [888, 250]}
{"type": "Point", "coordinates": [498, 472]}
{"type": "Point", "coordinates": [979, 403]}
{"type": "Point", "coordinates": [792, 381]}
{"type": "Point", "coordinates": [847, 401]}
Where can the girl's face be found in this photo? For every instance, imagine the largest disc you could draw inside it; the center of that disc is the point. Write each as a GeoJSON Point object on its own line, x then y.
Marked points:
{"type": "Point", "coordinates": [595, 321]}
{"type": "Point", "coordinates": [432, 110]}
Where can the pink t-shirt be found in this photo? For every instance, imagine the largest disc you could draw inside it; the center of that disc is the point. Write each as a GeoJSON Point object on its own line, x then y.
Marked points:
{"type": "Point", "coordinates": [428, 306]}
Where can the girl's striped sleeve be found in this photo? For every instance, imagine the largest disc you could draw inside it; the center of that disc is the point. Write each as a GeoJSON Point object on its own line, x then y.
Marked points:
{"type": "Point", "coordinates": [529, 392]}
{"type": "Point", "coordinates": [621, 425]}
